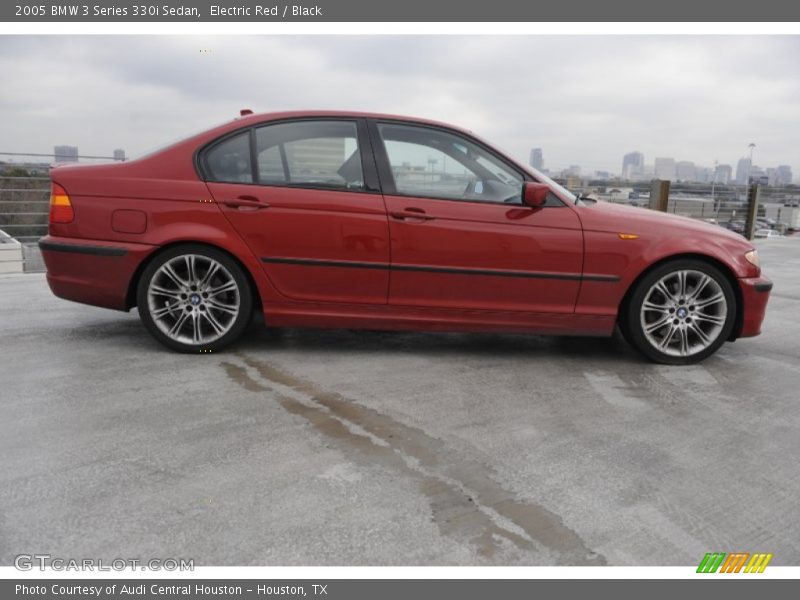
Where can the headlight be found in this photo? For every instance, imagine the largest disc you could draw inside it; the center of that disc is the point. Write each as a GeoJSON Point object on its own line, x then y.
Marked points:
{"type": "Point", "coordinates": [752, 258]}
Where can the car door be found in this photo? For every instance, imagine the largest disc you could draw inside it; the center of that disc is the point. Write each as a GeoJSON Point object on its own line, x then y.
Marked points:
{"type": "Point", "coordinates": [304, 196]}
{"type": "Point", "coordinates": [460, 235]}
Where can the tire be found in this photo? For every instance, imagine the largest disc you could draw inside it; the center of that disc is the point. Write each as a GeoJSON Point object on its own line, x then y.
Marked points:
{"type": "Point", "coordinates": [680, 313]}
{"type": "Point", "coordinates": [194, 299]}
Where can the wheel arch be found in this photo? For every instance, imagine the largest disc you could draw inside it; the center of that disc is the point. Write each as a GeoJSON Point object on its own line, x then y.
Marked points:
{"type": "Point", "coordinates": [723, 268]}
{"type": "Point", "coordinates": [130, 296]}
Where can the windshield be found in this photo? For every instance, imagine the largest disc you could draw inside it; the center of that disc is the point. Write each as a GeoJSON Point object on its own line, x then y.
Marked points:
{"type": "Point", "coordinates": [564, 192]}
{"type": "Point", "coordinates": [561, 189]}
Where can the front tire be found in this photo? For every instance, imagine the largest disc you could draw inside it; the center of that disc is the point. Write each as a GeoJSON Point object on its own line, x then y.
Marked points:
{"type": "Point", "coordinates": [681, 312]}
{"type": "Point", "coordinates": [194, 299]}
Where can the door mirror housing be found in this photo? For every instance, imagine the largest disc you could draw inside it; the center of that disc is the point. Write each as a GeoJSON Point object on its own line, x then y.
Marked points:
{"type": "Point", "coordinates": [535, 194]}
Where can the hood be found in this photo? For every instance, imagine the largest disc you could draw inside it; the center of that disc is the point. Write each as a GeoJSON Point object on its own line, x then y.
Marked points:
{"type": "Point", "coordinates": [614, 218]}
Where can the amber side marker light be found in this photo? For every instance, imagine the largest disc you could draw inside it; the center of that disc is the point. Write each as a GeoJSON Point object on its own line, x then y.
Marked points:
{"type": "Point", "coordinates": [60, 205]}
{"type": "Point", "coordinates": [628, 236]}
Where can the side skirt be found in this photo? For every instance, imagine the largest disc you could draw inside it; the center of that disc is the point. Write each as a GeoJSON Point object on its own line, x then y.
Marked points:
{"type": "Point", "coordinates": [386, 317]}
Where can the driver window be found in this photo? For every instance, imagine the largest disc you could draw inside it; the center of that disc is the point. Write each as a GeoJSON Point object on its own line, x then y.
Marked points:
{"type": "Point", "coordinates": [436, 164]}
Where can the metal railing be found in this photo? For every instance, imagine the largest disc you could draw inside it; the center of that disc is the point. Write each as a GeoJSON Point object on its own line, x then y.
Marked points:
{"type": "Point", "coordinates": [24, 208]}
{"type": "Point", "coordinates": [776, 208]}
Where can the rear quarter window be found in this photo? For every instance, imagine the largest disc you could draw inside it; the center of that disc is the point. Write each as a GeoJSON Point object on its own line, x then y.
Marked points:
{"type": "Point", "coordinates": [229, 161]}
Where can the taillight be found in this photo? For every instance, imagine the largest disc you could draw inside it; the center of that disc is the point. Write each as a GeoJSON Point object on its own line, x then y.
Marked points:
{"type": "Point", "coordinates": [60, 206]}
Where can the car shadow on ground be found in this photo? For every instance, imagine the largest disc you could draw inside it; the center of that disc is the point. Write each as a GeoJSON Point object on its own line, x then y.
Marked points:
{"type": "Point", "coordinates": [341, 341]}
{"type": "Point", "coordinates": [130, 332]}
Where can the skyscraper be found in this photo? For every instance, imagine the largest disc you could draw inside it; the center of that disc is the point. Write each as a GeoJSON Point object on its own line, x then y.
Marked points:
{"type": "Point", "coordinates": [64, 154]}
{"type": "Point", "coordinates": [685, 171]}
{"type": "Point", "coordinates": [772, 176]}
{"type": "Point", "coordinates": [703, 174]}
{"type": "Point", "coordinates": [633, 165]}
{"type": "Point", "coordinates": [758, 175]}
{"type": "Point", "coordinates": [742, 171]}
{"type": "Point", "coordinates": [537, 159]}
{"type": "Point", "coordinates": [783, 175]}
{"type": "Point", "coordinates": [723, 174]}
{"type": "Point", "coordinates": [665, 168]}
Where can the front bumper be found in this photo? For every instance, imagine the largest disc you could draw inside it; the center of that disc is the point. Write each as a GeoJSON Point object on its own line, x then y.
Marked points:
{"type": "Point", "coordinates": [755, 294]}
{"type": "Point", "coordinates": [92, 272]}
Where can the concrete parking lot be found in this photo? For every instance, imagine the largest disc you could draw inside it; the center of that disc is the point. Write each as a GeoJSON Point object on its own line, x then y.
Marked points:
{"type": "Point", "coordinates": [351, 448]}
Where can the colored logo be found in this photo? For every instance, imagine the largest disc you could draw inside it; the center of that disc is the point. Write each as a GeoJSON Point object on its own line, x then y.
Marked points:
{"type": "Point", "coordinates": [736, 562]}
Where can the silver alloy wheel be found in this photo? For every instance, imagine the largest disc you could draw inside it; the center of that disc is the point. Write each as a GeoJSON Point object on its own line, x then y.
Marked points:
{"type": "Point", "coordinates": [193, 299]}
{"type": "Point", "coordinates": [683, 313]}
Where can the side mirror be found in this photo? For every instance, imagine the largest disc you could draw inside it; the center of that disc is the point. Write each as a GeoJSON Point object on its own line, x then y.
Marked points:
{"type": "Point", "coordinates": [535, 194]}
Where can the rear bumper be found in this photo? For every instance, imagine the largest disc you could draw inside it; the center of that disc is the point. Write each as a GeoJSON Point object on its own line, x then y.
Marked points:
{"type": "Point", "coordinates": [92, 272]}
{"type": "Point", "coordinates": [755, 294]}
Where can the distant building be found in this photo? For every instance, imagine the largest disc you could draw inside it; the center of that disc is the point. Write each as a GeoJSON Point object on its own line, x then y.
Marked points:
{"type": "Point", "coordinates": [665, 168]}
{"type": "Point", "coordinates": [633, 166]}
{"type": "Point", "coordinates": [758, 176]}
{"type": "Point", "coordinates": [742, 170]}
{"type": "Point", "coordinates": [119, 154]}
{"type": "Point", "coordinates": [703, 174]}
{"type": "Point", "coordinates": [783, 175]}
{"type": "Point", "coordinates": [573, 171]}
{"type": "Point", "coordinates": [772, 176]}
{"type": "Point", "coordinates": [723, 174]}
{"type": "Point", "coordinates": [537, 159]}
{"type": "Point", "coordinates": [65, 154]}
{"type": "Point", "coordinates": [602, 175]}
{"type": "Point", "coordinates": [685, 171]}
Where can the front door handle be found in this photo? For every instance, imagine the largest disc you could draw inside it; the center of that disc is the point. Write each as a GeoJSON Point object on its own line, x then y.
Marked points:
{"type": "Point", "coordinates": [411, 214]}
{"type": "Point", "coordinates": [241, 202]}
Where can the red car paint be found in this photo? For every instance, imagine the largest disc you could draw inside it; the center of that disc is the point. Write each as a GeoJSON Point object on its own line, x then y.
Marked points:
{"type": "Point", "coordinates": [399, 262]}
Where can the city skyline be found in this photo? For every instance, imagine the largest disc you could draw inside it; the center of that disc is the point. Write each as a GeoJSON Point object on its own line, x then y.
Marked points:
{"type": "Point", "coordinates": [635, 168]}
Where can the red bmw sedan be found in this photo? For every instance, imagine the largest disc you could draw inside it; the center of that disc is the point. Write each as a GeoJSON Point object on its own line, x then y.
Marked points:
{"type": "Point", "coordinates": [332, 219]}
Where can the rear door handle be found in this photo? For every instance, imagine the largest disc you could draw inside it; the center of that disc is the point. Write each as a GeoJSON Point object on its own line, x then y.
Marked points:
{"type": "Point", "coordinates": [410, 214]}
{"type": "Point", "coordinates": [250, 202]}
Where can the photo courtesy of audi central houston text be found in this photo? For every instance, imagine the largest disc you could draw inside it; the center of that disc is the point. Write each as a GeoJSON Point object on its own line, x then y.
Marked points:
{"type": "Point", "coordinates": [319, 219]}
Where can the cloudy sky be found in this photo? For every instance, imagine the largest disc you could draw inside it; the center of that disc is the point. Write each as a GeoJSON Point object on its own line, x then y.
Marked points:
{"type": "Point", "coordinates": [584, 100]}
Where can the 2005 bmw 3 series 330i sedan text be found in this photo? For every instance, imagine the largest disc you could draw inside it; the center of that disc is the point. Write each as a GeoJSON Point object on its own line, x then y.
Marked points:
{"type": "Point", "coordinates": [332, 219]}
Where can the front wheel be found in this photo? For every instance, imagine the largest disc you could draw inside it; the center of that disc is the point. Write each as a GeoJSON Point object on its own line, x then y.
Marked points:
{"type": "Point", "coordinates": [194, 298]}
{"type": "Point", "coordinates": [681, 312]}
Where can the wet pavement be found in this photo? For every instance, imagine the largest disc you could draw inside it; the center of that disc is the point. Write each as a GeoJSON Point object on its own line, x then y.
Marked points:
{"type": "Point", "coordinates": [351, 448]}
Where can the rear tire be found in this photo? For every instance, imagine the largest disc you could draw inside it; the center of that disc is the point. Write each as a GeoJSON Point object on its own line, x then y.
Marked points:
{"type": "Point", "coordinates": [194, 299]}
{"type": "Point", "coordinates": [680, 313]}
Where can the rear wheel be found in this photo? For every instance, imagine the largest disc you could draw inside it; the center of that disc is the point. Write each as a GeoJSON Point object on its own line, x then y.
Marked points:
{"type": "Point", "coordinates": [681, 312]}
{"type": "Point", "coordinates": [194, 298]}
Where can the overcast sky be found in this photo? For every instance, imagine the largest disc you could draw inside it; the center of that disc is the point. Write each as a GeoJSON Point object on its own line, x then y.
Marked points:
{"type": "Point", "coordinates": [584, 100]}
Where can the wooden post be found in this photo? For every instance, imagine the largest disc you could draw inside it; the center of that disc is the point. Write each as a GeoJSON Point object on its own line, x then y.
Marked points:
{"type": "Point", "coordinates": [753, 194]}
{"type": "Point", "coordinates": [659, 195]}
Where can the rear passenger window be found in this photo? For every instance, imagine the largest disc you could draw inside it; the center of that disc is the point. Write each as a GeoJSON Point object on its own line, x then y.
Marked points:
{"type": "Point", "coordinates": [229, 161]}
{"type": "Point", "coordinates": [310, 154]}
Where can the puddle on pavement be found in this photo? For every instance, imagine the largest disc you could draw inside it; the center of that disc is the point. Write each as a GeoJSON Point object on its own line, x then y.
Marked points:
{"type": "Point", "coordinates": [466, 502]}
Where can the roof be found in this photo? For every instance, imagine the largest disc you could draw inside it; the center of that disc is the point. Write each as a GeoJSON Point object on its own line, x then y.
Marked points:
{"type": "Point", "coordinates": [274, 116]}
